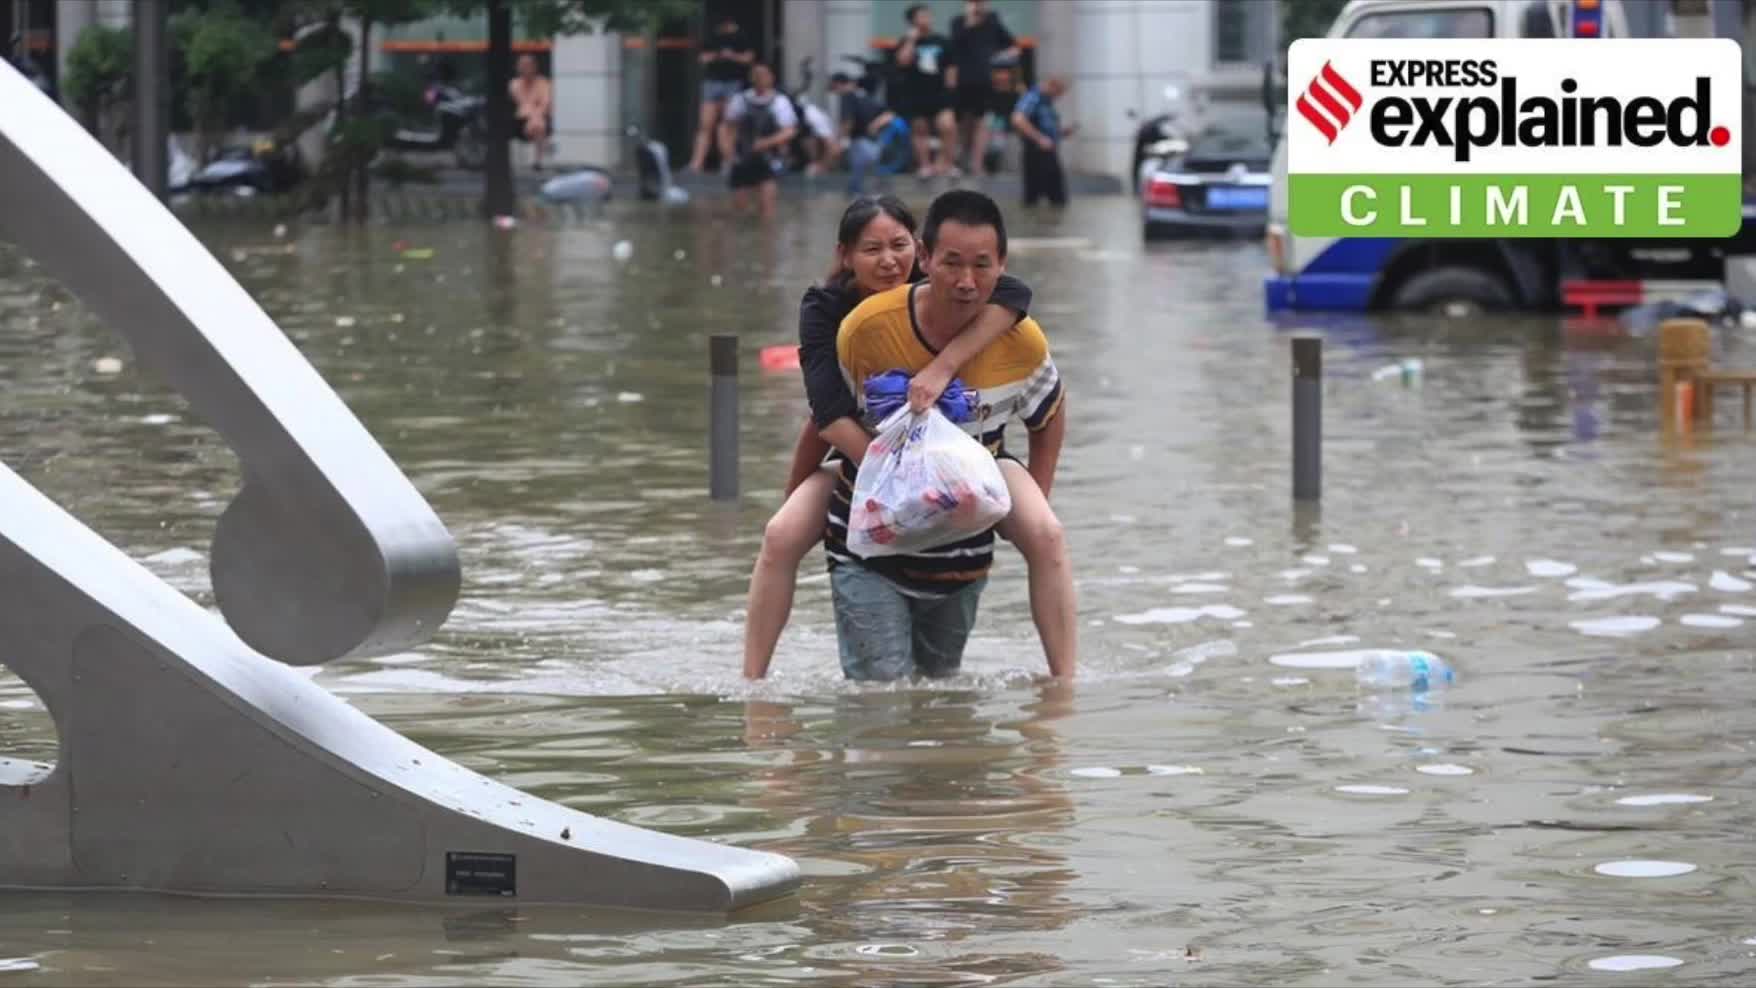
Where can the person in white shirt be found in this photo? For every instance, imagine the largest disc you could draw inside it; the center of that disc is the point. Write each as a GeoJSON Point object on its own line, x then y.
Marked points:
{"type": "Point", "coordinates": [759, 123]}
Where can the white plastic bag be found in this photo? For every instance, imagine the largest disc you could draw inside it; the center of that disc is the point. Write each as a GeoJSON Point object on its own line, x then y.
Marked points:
{"type": "Point", "coordinates": [924, 483]}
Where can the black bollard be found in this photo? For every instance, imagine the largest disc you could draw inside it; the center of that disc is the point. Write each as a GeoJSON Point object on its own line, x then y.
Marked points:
{"type": "Point", "coordinates": [1307, 417]}
{"type": "Point", "coordinates": [722, 427]}
{"type": "Point", "coordinates": [152, 95]}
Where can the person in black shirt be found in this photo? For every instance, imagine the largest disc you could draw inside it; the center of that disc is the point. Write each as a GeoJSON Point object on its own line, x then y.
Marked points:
{"type": "Point", "coordinates": [875, 252]}
{"type": "Point", "coordinates": [726, 57]}
{"type": "Point", "coordinates": [977, 38]}
{"type": "Point", "coordinates": [862, 120]}
{"type": "Point", "coordinates": [921, 97]}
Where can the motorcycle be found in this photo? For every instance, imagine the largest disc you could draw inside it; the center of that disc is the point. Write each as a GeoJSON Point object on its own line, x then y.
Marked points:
{"type": "Point", "coordinates": [1164, 138]}
{"type": "Point", "coordinates": [814, 123]}
{"type": "Point", "coordinates": [653, 162]}
{"type": "Point", "coordinates": [460, 125]}
{"type": "Point", "coordinates": [263, 168]}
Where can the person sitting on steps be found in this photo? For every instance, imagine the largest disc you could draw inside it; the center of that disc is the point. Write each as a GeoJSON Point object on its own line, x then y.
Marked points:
{"type": "Point", "coordinates": [533, 98]}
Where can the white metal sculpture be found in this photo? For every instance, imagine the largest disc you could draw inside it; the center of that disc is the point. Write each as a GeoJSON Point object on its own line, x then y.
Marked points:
{"type": "Point", "coordinates": [191, 760]}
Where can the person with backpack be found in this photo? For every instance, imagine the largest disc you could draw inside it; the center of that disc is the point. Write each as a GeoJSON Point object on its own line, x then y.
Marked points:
{"type": "Point", "coordinates": [760, 122]}
{"type": "Point", "coordinates": [862, 120]}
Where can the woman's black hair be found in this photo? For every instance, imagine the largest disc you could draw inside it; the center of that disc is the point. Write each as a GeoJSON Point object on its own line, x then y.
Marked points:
{"type": "Point", "coordinates": [860, 212]}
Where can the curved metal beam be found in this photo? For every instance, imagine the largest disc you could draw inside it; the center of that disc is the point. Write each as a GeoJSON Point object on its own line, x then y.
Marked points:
{"type": "Point", "coordinates": [189, 761]}
{"type": "Point", "coordinates": [328, 551]}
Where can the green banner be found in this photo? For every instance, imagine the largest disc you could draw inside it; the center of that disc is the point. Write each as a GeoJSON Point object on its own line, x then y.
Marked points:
{"type": "Point", "coordinates": [1430, 206]}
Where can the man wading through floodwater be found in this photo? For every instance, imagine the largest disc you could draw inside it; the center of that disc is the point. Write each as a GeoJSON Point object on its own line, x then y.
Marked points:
{"type": "Point", "coordinates": [897, 616]}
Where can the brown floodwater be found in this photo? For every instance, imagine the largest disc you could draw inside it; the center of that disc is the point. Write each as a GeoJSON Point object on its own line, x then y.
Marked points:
{"type": "Point", "coordinates": [1213, 801]}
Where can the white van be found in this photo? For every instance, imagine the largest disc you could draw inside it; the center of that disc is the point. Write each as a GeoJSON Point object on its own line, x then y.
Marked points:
{"type": "Point", "coordinates": [1464, 276]}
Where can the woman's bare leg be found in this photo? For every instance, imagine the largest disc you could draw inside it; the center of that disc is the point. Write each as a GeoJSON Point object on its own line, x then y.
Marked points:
{"type": "Point", "coordinates": [1034, 529]}
{"type": "Point", "coordinates": [791, 533]}
{"type": "Point", "coordinates": [705, 125]}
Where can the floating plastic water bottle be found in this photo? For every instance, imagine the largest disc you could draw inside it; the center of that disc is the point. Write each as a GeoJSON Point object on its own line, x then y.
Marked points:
{"type": "Point", "coordinates": [1416, 671]}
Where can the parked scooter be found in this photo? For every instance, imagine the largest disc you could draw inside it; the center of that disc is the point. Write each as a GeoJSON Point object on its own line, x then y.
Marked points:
{"type": "Point", "coordinates": [261, 169]}
{"type": "Point", "coordinates": [1164, 138]}
{"type": "Point", "coordinates": [459, 125]}
{"type": "Point", "coordinates": [653, 162]}
{"type": "Point", "coordinates": [814, 123]}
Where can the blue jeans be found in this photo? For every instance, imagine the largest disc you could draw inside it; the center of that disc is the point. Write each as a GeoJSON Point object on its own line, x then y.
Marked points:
{"type": "Point", "coordinates": [862, 158]}
{"type": "Point", "coordinates": [884, 634]}
{"type": "Point", "coordinates": [719, 90]}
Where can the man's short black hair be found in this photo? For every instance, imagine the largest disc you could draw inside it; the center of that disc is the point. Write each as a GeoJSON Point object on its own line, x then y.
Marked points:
{"type": "Point", "coordinates": [968, 207]}
{"type": "Point", "coordinates": [908, 16]}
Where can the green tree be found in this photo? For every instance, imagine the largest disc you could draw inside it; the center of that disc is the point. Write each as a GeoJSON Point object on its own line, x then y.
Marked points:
{"type": "Point", "coordinates": [358, 130]}
{"type": "Point", "coordinates": [365, 132]}
{"type": "Point", "coordinates": [545, 18]}
{"type": "Point", "coordinates": [224, 52]}
{"type": "Point", "coordinates": [1306, 19]}
{"type": "Point", "coordinates": [100, 74]}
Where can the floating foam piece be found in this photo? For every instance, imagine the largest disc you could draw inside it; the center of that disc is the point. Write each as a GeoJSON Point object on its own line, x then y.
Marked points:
{"type": "Point", "coordinates": [1644, 869]}
{"type": "Point", "coordinates": [1634, 962]}
{"type": "Point", "coordinates": [1181, 615]}
{"type": "Point", "coordinates": [1470, 592]}
{"type": "Point", "coordinates": [1663, 589]}
{"type": "Point", "coordinates": [1727, 583]}
{"type": "Point", "coordinates": [1613, 627]}
{"type": "Point", "coordinates": [1663, 799]}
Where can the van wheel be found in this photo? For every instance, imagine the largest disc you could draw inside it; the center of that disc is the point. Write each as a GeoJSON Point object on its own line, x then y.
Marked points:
{"type": "Point", "coordinates": [1453, 292]}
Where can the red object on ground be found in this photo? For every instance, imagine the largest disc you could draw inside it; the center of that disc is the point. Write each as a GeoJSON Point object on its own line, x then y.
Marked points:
{"type": "Point", "coordinates": [779, 357]}
{"type": "Point", "coordinates": [1591, 296]}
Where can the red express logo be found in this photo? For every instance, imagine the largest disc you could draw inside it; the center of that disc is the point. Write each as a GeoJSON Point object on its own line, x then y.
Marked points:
{"type": "Point", "coordinates": [1329, 90]}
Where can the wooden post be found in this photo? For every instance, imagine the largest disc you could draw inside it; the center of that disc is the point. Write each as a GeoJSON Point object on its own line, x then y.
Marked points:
{"type": "Point", "coordinates": [1683, 349]}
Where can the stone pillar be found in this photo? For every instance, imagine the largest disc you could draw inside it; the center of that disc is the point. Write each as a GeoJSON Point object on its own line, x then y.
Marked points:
{"type": "Point", "coordinates": [588, 100]}
{"type": "Point", "coordinates": [1118, 56]}
{"type": "Point", "coordinates": [803, 29]}
{"type": "Point", "coordinates": [847, 30]}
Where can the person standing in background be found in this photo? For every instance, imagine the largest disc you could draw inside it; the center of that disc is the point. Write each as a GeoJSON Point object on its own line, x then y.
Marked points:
{"type": "Point", "coordinates": [533, 102]}
{"type": "Point", "coordinates": [977, 38]}
{"type": "Point", "coordinates": [921, 97]}
{"type": "Point", "coordinates": [1039, 124]}
{"type": "Point", "coordinates": [726, 57]}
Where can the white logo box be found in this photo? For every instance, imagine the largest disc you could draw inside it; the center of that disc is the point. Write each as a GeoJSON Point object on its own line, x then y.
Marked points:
{"type": "Point", "coordinates": [1662, 68]}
